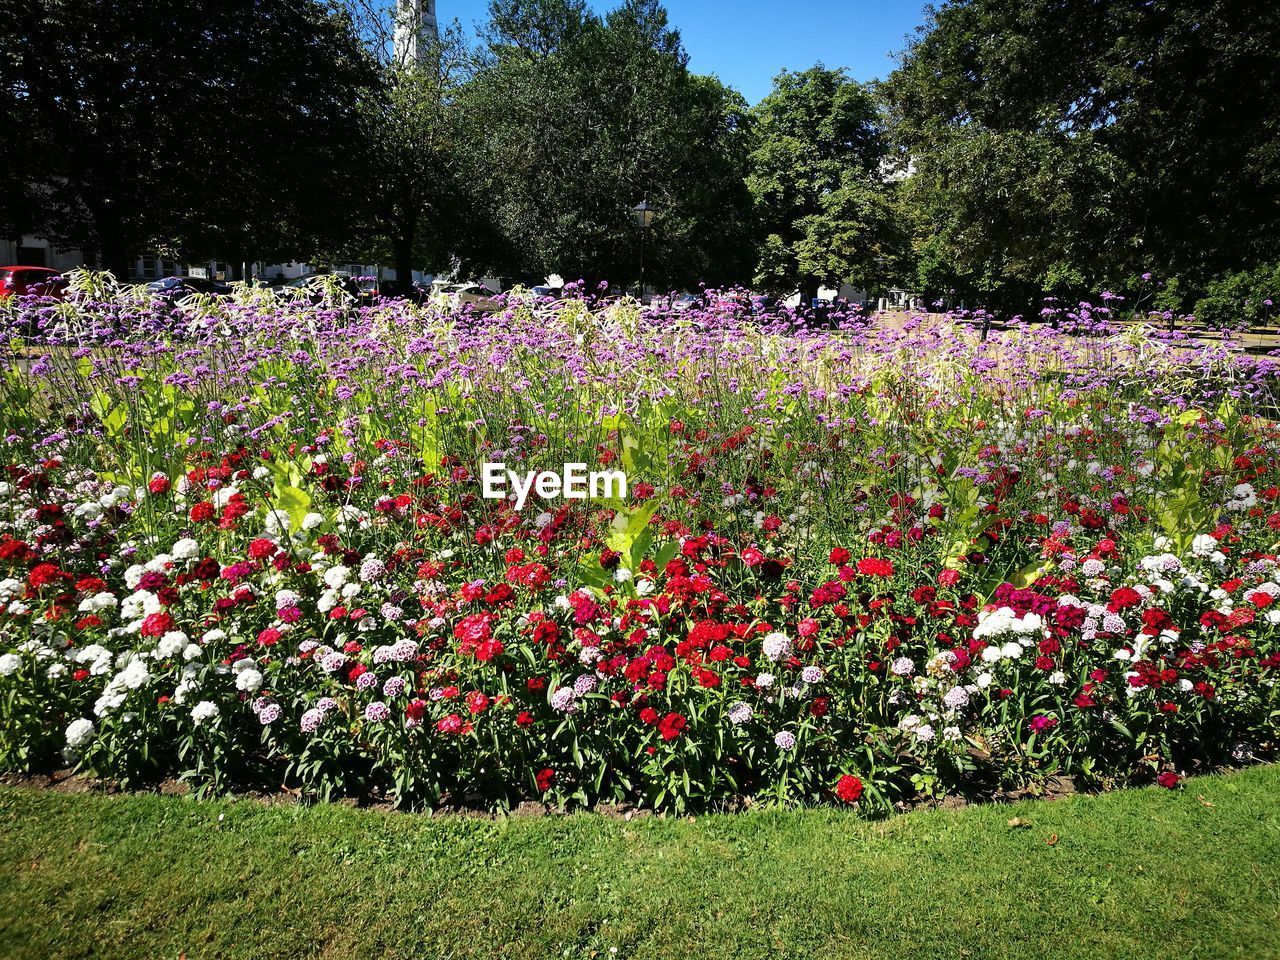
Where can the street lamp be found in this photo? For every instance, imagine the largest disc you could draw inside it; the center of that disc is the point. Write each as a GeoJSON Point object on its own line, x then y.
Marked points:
{"type": "Point", "coordinates": [643, 212]}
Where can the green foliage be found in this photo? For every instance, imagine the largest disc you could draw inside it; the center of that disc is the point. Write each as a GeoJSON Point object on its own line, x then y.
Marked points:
{"type": "Point", "coordinates": [1094, 140]}
{"type": "Point", "coordinates": [826, 213]}
{"type": "Point", "coordinates": [1243, 297]}
{"type": "Point", "coordinates": [410, 199]}
{"type": "Point", "coordinates": [154, 124]}
{"type": "Point", "coordinates": [574, 118]}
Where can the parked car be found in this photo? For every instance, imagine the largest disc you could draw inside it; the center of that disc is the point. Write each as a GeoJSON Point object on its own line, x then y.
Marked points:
{"type": "Point", "coordinates": [547, 293]}
{"type": "Point", "coordinates": [175, 287]}
{"type": "Point", "coordinates": [360, 289]}
{"type": "Point", "coordinates": [21, 281]}
{"type": "Point", "coordinates": [476, 295]}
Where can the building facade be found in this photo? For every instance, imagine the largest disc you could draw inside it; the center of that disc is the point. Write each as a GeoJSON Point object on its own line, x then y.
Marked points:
{"type": "Point", "coordinates": [415, 30]}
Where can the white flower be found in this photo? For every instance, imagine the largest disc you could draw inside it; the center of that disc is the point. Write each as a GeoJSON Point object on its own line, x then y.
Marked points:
{"type": "Point", "coordinates": [277, 522]}
{"type": "Point", "coordinates": [185, 549]}
{"type": "Point", "coordinates": [10, 664]}
{"type": "Point", "coordinates": [223, 495]}
{"type": "Point", "coordinates": [335, 577]}
{"type": "Point", "coordinates": [312, 520]}
{"type": "Point", "coordinates": [98, 602]}
{"type": "Point", "coordinates": [204, 710]}
{"type": "Point", "coordinates": [1203, 545]}
{"type": "Point", "coordinates": [248, 681]}
{"type": "Point", "coordinates": [88, 511]}
{"type": "Point", "coordinates": [776, 646]}
{"type": "Point", "coordinates": [171, 644]}
{"type": "Point", "coordinates": [159, 563]}
{"type": "Point", "coordinates": [134, 675]}
{"type": "Point", "coordinates": [79, 733]}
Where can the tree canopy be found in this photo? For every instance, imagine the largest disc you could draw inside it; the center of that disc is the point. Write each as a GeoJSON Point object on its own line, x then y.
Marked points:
{"type": "Point", "coordinates": [823, 198]}
{"type": "Point", "coordinates": [1058, 144]}
{"type": "Point", "coordinates": [576, 117]}
{"type": "Point", "coordinates": [149, 124]}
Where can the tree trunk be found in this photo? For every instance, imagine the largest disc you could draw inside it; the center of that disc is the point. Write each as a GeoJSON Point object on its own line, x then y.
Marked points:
{"type": "Point", "coordinates": [113, 246]}
{"type": "Point", "coordinates": [117, 258]}
{"type": "Point", "coordinates": [402, 254]}
{"type": "Point", "coordinates": [808, 290]}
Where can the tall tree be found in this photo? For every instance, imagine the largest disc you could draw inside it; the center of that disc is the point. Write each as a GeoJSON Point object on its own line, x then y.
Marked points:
{"type": "Point", "coordinates": [158, 125]}
{"type": "Point", "coordinates": [824, 205]}
{"type": "Point", "coordinates": [1064, 144]}
{"type": "Point", "coordinates": [415, 197]}
{"type": "Point", "coordinates": [577, 117]}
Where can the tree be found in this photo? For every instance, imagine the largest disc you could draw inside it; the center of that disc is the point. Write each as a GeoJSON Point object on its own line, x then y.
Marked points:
{"type": "Point", "coordinates": [575, 118]}
{"type": "Point", "coordinates": [149, 124]}
{"type": "Point", "coordinates": [415, 196]}
{"type": "Point", "coordinates": [1059, 145]}
{"type": "Point", "coordinates": [825, 207]}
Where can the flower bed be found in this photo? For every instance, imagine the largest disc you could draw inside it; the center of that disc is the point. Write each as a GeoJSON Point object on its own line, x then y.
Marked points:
{"type": "Point", "coordinates": [245, 544]}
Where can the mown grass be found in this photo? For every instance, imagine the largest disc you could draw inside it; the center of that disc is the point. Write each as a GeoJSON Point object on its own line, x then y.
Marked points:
{"type": "Point", "coordinates": [1149, 873]}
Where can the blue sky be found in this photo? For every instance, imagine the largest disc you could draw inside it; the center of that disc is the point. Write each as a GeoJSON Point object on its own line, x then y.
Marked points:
{"type": "Point", "coordinates": [746, 42]}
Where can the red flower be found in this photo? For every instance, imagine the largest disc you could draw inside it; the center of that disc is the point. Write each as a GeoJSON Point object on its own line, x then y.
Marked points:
{"type": "Point", "coordinates": [948, 578]}
{"type": "Point", "coordinates": [849, 788]}
{"type": "Point", "coordinates": [875, 567]}
{"type": "Point", "coordinates": [839, 555]}
{"type": "Point", "coordinates": [545, 777]}
{"type": "Point", "coordinates": [671, 726]}
{"type": "Point", "coordinates": [925, 594]}
{"type": "Point", "coordinates": [476, 701]}
{"type": "Point", "coordinates": [43, 574]}
{"type": "Point", "coordinates": [202, 511]}
{"type": "Point", "coordinates": [159, 484]}
{"type": "Point", "coordinates": [1123, 599]}
{"type": "Point", "coordinates": [1041, 723]}
{"type": "Point", "coordinates": [1168, 779]}
{"type": "Point", "coordinates": [262, 548]}
{"type": "Point", "coordinates": [156, 625]}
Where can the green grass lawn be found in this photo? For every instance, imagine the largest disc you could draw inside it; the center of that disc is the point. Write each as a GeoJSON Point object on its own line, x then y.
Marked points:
{"type": "Point", "coordinates": [1150, 873]}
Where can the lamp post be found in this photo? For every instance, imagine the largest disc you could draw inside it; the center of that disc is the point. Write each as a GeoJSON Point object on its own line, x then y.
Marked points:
{"type": "Point", "coordinates": [643, 212]}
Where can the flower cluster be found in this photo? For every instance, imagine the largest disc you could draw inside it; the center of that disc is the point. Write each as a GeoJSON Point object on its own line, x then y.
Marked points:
{"type": "Point", "coordinates": [267, 559]}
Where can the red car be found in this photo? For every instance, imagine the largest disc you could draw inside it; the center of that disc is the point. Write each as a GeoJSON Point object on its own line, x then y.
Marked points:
{"type": "Point", "coordinates": [19, 281]}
